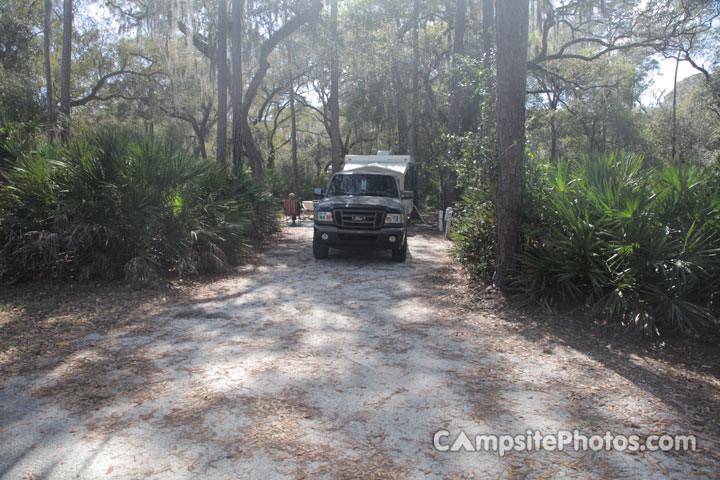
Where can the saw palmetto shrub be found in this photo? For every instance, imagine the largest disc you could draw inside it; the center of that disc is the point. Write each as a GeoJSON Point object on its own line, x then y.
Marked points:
{"type": "Point", "coordinates": [118, 204]}
{"type": "Point", "coordinates": [639, 245]}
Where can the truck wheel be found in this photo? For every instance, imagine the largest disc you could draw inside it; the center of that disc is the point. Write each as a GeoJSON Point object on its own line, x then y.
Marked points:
{"type": "Point", "coordinates": [400, 254]}
{"type": "Point", "coordinates": [320, 251]}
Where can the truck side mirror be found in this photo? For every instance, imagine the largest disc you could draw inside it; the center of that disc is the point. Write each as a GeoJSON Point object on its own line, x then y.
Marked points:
{"type": "Point", "coordinates": [408, 194]}
{"type": "Point", "coordinates": [318, 192]}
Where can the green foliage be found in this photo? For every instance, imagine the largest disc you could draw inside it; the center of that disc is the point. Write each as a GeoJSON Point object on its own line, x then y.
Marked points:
{"type": "Point", "coordinates": [634, 244]}
{"type": "Point", "coordinates": [15, 138]}
{"type": "Point", "coordinates": [473, 224]}
{"type": "Point", "coordinates": [19, 79]}
{"type": "Point", "coordinates": [116, 204]}
{"type": "Point", "coordinates": [697, 125]}
{"type": "Point", "coordinates": [596, 112]}
{"type": "Point", "coordinates": [473, 232]}
{"type": "Point", "coordinates": [280, 184]}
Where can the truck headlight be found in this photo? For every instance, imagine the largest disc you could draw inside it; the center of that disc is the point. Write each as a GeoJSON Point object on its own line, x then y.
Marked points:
{"type": "Point", "coordinates": [396, 218]}
{"type": "Point", "coordinates": [323, 216]}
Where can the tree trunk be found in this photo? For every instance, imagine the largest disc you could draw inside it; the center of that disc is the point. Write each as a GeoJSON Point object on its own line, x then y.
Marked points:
{"type": "Point", "coordinates": [488, 19]}
{"type": "Point", "coordinates": [415, 121]}
{"type": "Point", "coordinates": [415, 127]}
{"type": "Point", "coordinates": [206, 124]}
{"type": "Point", "coordinates": [450, 193]}
{"type": "Point", "coordinates": [400, 112]}
{"type": "Point", "coordinates": [65, 72]}
{"type": "Point", "coordinates": [553, 136]}
{"type": "Point", "coordinates": [674, 110]}
{"type": "Point", "coordinates": [236, 89]}
{"type": "Point", "coordinates": [253, 153]}
{"type": "Point", "coordinates": [222, 82]}
{"type": "Point", "coordinates": [201, 145]}
{"type": "Point", "coordinates": [293, 125]}
{"type": "Point", "coordinates": [512, 39]}
{"type": "Point", "coordinates": [47, 34]}
{"type": "Point", "coordinates": [336, 155]}
{"type": "Point", "coordinates": [458, 49]}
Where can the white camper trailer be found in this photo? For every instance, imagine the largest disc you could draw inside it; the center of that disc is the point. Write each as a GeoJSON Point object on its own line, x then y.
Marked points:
{"type": "Point", "coordinates": [401, 167]}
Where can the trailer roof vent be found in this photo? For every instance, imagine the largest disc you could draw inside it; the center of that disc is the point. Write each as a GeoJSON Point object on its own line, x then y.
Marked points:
{"type": "Point", "coordinates": [383, 152]}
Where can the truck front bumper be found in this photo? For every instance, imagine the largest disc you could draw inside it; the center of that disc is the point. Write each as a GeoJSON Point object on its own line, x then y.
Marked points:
{"type": "Point", "coordinates": [382, 239]}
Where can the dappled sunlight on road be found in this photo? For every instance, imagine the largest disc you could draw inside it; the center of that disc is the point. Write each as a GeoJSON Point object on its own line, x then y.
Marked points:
{"type": "Point", "coordinates": [339, 368]}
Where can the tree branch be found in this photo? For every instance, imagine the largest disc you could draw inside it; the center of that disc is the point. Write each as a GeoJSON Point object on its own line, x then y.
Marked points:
{"type": "Point", "coordinates": [93, 95]}
{"type": "Point", "coordinates": [269, 45]}
{"type": "Point", "coordinates": [199, 41]}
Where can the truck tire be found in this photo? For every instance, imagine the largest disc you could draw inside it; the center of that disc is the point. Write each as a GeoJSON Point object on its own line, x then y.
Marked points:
{"type": "Point", "coordinates": [400, 254]}
{"type": "Point", "coordinates": [320, 251]}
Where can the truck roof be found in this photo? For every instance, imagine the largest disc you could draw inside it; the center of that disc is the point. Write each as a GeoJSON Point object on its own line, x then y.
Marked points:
{"type": "Point", "coordinates": [386, 168]}
{"type": "Point", "coordinates": [383, 162]}
{"type": "Point", "coordinates": [382, 159]}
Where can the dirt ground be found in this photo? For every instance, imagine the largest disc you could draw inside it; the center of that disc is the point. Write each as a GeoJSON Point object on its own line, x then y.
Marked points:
{"type": "Point", "coordinates": [342, 368]}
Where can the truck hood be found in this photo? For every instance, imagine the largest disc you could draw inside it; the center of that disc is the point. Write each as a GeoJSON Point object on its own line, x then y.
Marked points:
{"type": "Point", "coordinates": [358, 201]}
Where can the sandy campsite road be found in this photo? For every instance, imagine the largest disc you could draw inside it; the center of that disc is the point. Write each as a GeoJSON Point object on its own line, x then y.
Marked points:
{"type": "Point", "coordinates": [341, 368]}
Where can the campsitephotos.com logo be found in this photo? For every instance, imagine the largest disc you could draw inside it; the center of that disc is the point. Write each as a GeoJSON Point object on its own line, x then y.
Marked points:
{"type": "Point", "coordinates": [531, 440]}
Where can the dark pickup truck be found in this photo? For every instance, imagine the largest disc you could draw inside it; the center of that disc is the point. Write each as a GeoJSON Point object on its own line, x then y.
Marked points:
{"type": "Point", "coordinates": [361, 211]}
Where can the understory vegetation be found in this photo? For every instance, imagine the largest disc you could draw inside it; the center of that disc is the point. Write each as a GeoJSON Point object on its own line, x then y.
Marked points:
{"type": "Point", "coordinates": [119, 204]}
{"type": "Point", "coordinates": [636, 244]}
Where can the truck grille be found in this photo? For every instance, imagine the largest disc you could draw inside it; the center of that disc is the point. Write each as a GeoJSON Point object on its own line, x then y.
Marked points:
{"type": "Point", "coordinates": [354, 218]}
{"type": "Point", "coordinates": [358, 238]}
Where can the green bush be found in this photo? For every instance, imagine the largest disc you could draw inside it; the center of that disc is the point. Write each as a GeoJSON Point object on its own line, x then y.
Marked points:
{"type": "Point", "coordinates": [117, 204]}
{"type": "Point", "coordinates": [15, 138]}
{"type": "Point", "coordinates": [473, 233]}
{"type": "Point", "coordinates": [632, 243]}
{"type": "Point", "coordinates": [473, 224]}
{"type": "Point", "coordinates": [635, 244]}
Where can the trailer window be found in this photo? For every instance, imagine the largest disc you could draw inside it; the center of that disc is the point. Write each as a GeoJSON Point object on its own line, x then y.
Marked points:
{"type": "Point", "coordinates": [364, 185]}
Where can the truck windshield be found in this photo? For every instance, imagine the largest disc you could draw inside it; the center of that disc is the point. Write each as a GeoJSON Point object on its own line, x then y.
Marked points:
{"type": "Point", "coordinates": [363, 184]}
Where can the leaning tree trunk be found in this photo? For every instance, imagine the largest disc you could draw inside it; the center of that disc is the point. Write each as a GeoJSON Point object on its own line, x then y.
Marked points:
{"type": "Point", "coordinates": [65, 68]}
{"type": "Point", "coordinates": [253, 152]}
{"type": "Point", "coordinates": [47, 33]}
{"type": "Point", "coordinates": [222, 82]}
{"type": "Point", "coordinates": [336, 155]}
{"type": "Point", "coordinates": [254, 155]}
{"type": "Point", "coordinates": [237, 83]}
{"type": "Point", "coordinates": [512, 39]}
{"type": "Point", "coordinates": [453, 127]}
